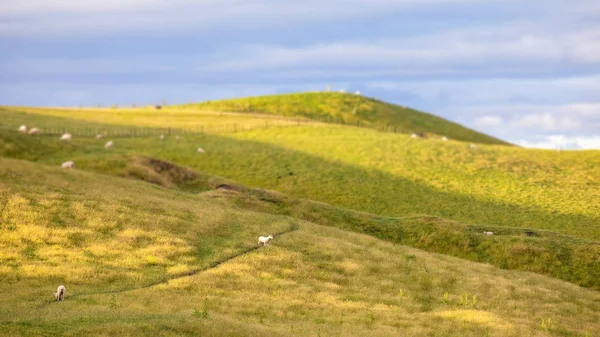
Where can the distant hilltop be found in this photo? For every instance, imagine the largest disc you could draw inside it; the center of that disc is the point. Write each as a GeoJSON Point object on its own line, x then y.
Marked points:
{"type": "Point", "coordinates": [350, 109]}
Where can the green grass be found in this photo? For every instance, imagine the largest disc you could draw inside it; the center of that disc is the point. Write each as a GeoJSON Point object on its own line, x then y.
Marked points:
{"type": "Point", "coordinates": [347, 109]}
{"type": "Point", "coordinates": [493, 188]}
{"type": "Point", "coordinates": [108, 238]}
{"type": "Point", "coordinates": [166, 252]}
{"type": "Point", "coordinates": [121, 122]}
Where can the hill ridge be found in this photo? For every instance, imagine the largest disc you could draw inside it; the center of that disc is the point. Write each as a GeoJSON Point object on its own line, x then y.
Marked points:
{"type": "Point", "coordinates": [349, 109]}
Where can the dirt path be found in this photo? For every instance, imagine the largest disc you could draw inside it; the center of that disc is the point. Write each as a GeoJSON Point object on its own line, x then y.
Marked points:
{"type": "Point", "coordinates": [293, 227]}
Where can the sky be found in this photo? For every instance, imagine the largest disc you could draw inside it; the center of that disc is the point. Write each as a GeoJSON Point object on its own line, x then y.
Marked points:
{"type": "Point", "coordinates": [524, 71]}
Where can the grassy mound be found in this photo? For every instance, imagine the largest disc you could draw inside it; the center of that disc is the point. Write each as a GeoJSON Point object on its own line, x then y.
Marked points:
{"type": "Point", "coordinates": [349, 109]}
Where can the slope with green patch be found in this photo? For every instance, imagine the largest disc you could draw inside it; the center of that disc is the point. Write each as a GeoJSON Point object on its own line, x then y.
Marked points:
{"type": "Point", "coordinates": [108, 238]}
{"type": "Point", "coordinates": [385, 174]}
{"type": "Point", "coordinates": [348, 109]}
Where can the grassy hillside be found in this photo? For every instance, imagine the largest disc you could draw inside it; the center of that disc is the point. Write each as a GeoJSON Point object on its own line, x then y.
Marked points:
{"type": "Point", "coordinates": [348, 109]}
{"type": "Point", "coordinates": [138, 258]}
{"type": "Point", "coordinates": [382, 173]}
{"type": "Point", "coordinates": [125, 122]}
{"type": "Point", "coordinates": [565, 257]}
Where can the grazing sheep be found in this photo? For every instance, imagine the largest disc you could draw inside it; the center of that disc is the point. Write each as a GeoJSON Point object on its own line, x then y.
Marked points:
{"type": "Point", "coordinates": [68, 164]}
{"type": "Point", "coordinates": [262, 240]}
{"type": "Point", "coordinates": [162, 137]}
{"type": "Point", "coordinates": [342, 91]}
{"type": "Point", "coordinates": [23, 129]}
{"type": "Point", "coordinates": [99, 136]}
{"type": "Point", "coordinates": [177, 138]}
{"type": "Point", "coordinates": [60, 293]}
{"type": "Point", "coordinates": [34, 131]}
{"type": "Point", "coordinates": [108, 145]}
{"type": "Point", "coordinates": [357, 92]}
{"type": "Point", "coordinates": [488, 233]}
{"type": "Point", "coordinates": [473, 146]}
{"type": "Point", "coordinates": [414, 135]}
{"type": "Point", "coordinates": [444, 139]}
{"type": "Point", "coordinates": [201, 150]}
{"type": "Point", "coordinates": [66, 136]}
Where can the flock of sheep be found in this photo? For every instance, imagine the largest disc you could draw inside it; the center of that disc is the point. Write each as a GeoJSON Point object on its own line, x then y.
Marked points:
{"type": "Point", "coordinates": [68, 137]}
{"type": "Point", "coordinates": [61, 291]}
{"type": "Point", "coordinates": [262, 240]}
{"type": "Point", "coordinates": [443, 138]}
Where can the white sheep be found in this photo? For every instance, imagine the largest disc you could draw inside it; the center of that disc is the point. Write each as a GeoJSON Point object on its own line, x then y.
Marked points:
{"type": "Point", "coordinates": [23, 129]}
{"type": "Point", "coordinates": [60, 293]}
{"type": "Point", "coordinates": [177, 138]}
{"type": "Point", "coordinates": [66, 136]}
{"type": "Point", "coordinates": [99, 136]}
{"type": "Point", "coordinates": [473, 146]}
{"type": "Point", "coordinates": [68, 164]}
{"type": "Point", "coordinates": [162, 137]}
{"type": "Point", "coordinates": [262, 240]}
{"type": "Point", "coordinates": [342, 91]}
{"type": "Point", "coordinates": [357, 92]}
{"type": "Point", "coordinates": [108, 144]}
{"type": "Point", "coordinates": [444, 139]}
{"type": "Point", "coordinates": [34, 131]}
{"type": "Point", "coordinates": [201, 150]}
{"type": "Point", "coordinates": [414, 135]}
{"type": "Point", "coordinates": [488, 233]}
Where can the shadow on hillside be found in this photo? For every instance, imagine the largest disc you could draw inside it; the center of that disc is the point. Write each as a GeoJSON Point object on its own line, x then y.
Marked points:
{"type": "Point", "coordinates": [301, 175]}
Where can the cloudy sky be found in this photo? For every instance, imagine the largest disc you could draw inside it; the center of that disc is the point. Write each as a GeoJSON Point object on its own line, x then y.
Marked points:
{"type": "Point", "coordinates": [524, 71]}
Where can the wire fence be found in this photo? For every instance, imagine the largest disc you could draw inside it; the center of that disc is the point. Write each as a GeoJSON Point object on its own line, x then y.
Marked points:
{"type": "Point", "coordinates": [115, 131]}
{"type": "Point", "coordinates": [327, 119]}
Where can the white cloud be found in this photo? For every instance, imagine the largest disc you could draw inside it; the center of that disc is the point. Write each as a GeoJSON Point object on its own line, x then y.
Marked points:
{"type": "Point", "coordinates": [496, 95]}
{"type": "Point", "coordinates": [476, 50]}
{"type": "Point", "coordinates": [525, 120]}
{"type": "Point", "coordinates": [506, 47]}
{"type": "Point", "coordinates": [487, 121]}
{"type": "Point", "coordinates": [561, 142]}
{"type": "Point", "coordinates": [43, 7]}
{"type": "Point", "coordinates": [547, 122]}
{"type": "Point", "coordinates": [76, 17]}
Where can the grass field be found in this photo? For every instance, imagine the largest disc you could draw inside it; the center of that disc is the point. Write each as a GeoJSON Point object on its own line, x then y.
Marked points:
{"type": "Point", "coordinates": [80, 120]}
{"type": "Point", "coordinates": [107, 239]}
{"type": "Point", "coordinates": [178, 256]}
{"type": "Point", "coordinates": [347, 109]}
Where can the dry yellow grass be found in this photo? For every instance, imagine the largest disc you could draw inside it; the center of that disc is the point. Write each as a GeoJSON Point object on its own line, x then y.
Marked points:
{"type": "Point", "coordinates": [95, 233]}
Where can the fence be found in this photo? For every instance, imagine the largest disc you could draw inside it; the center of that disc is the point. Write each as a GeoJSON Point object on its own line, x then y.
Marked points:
{"type": "Point", "coordinates": [328, 119]}
{"type": "Point", "coordinates": [129, 132]}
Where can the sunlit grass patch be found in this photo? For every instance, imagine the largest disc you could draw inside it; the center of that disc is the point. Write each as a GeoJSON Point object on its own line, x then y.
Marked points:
{"type": "Point", "coordinates": [475, 316]}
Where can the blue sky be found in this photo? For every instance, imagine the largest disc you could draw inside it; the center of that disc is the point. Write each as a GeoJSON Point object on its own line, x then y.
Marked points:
{"type": "Point", "coordinates": [525, 71]}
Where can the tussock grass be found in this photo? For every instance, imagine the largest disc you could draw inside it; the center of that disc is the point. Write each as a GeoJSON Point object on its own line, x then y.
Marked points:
{"type": "Point", "coordinates": [315, 280]}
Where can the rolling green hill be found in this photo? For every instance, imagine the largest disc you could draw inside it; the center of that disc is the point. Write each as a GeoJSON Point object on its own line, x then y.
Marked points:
{"type": "Point", "coordinates": [360, 228]}
{"type": "Point", "coordinates": [348, 109]}
{"type": "Point", "coordinates": [138, 258]}
{"type": "Point", "coordinates": [386, 174]}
